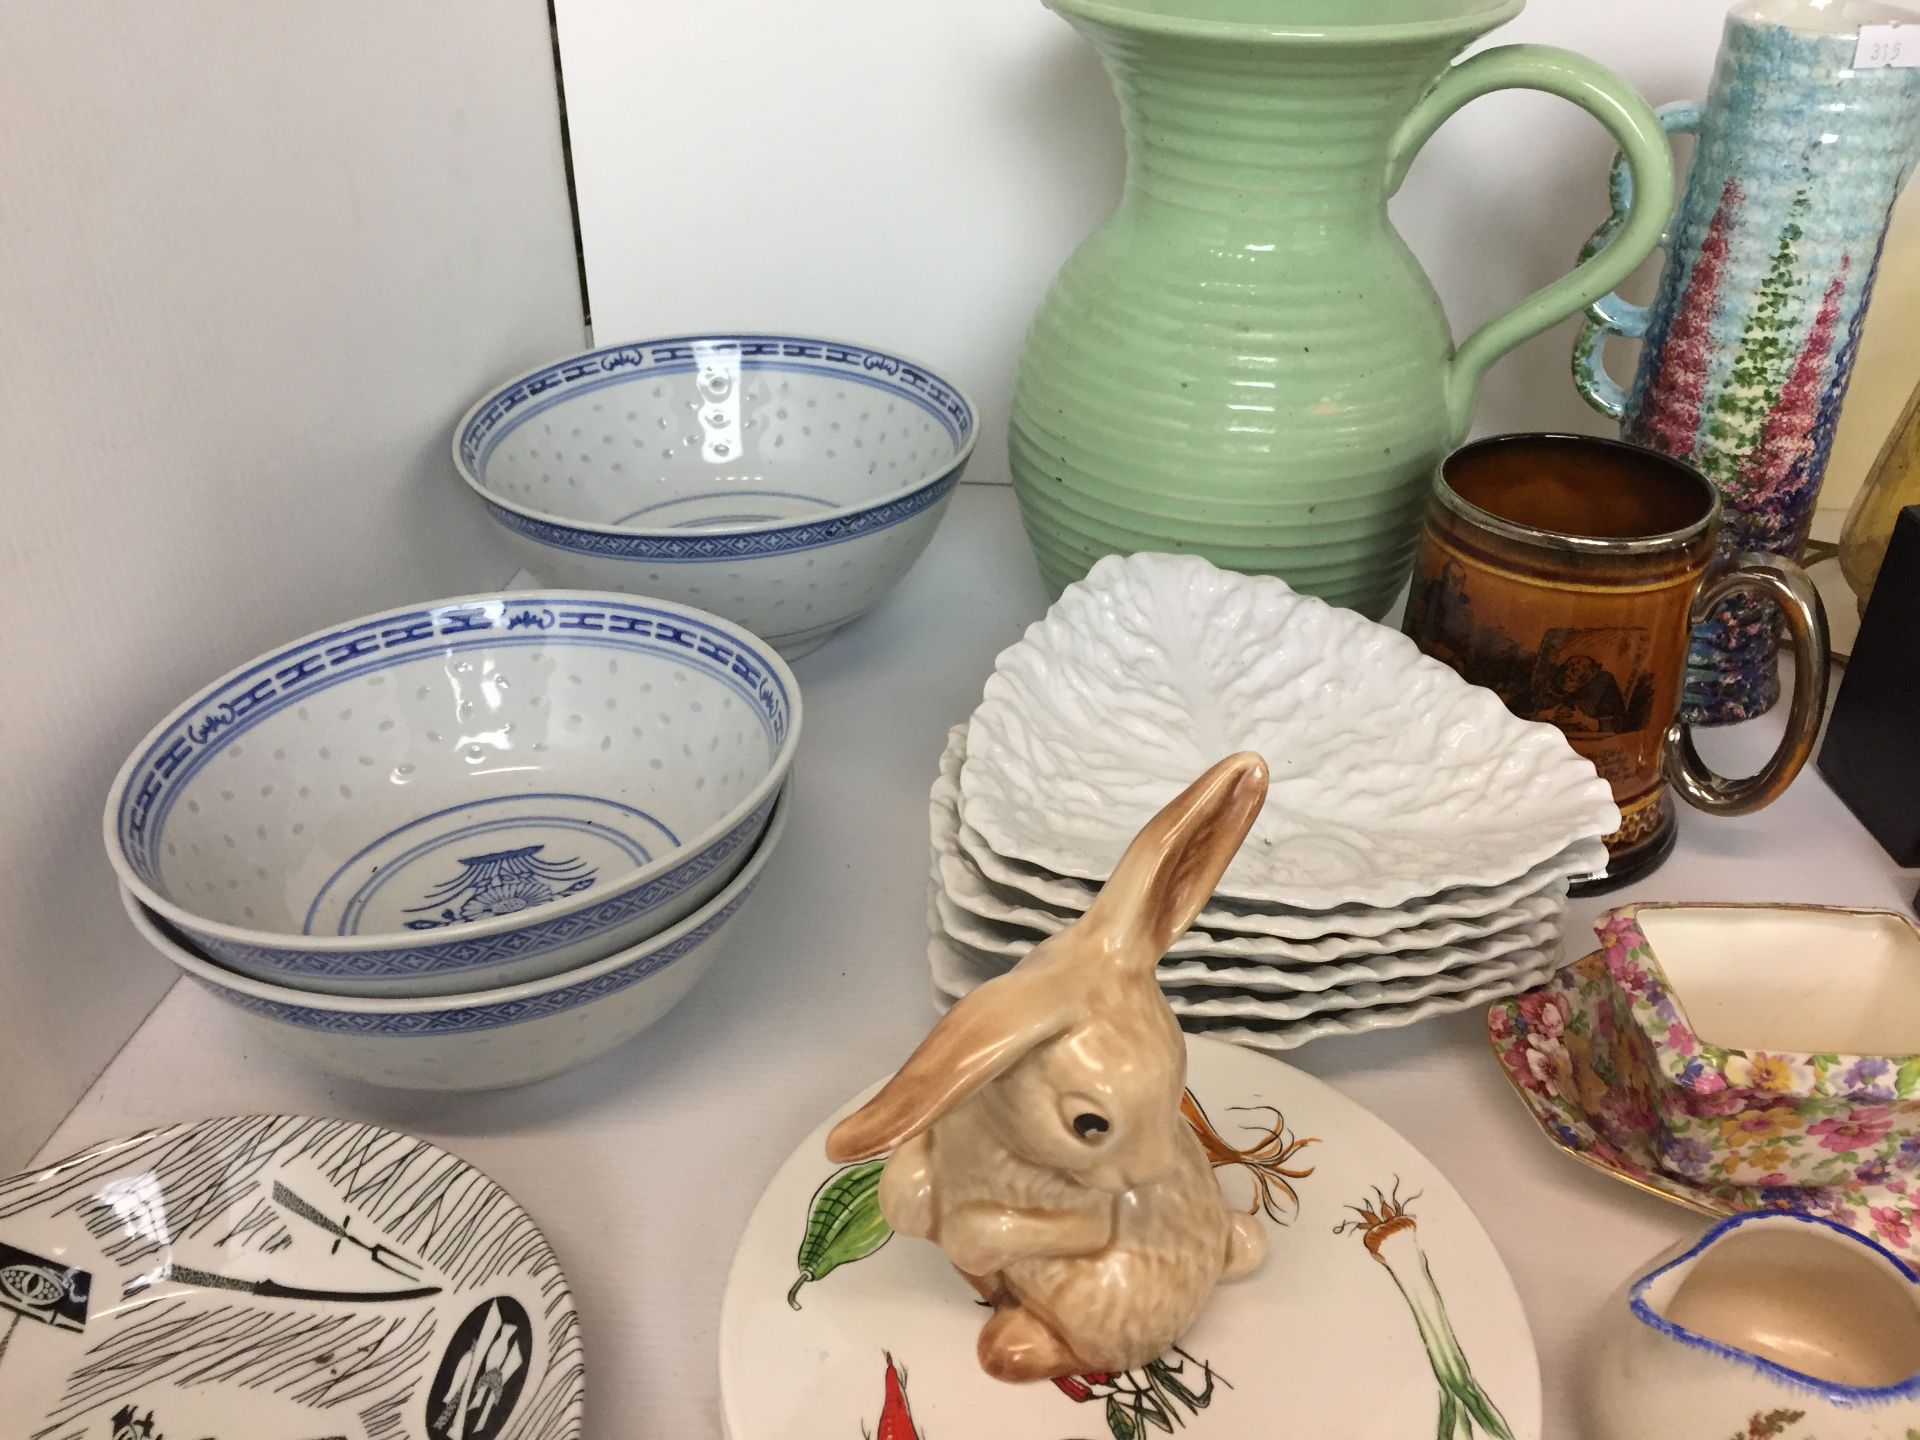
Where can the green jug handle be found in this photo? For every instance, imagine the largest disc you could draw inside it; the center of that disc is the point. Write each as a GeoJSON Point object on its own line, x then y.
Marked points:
{"type": "Point", "coordinates": [1611, 315]}
{"type": "Point", "coordinates": [1635, 127]}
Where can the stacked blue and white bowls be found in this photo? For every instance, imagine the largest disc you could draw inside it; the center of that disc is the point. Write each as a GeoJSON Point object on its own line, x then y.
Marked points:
{"type": "Point", "coordinates": [468, 844]}
{"type": "Point", "coordinates": [782, 481]}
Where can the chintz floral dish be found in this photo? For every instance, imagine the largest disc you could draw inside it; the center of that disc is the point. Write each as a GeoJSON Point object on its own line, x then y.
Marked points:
{"type": "Point", "coordinates": [1768, 1327]}
{"type": "Point", "coordinates": [1584, 1073]}
{"type": "Point", "coordinates": [1783, 1041]}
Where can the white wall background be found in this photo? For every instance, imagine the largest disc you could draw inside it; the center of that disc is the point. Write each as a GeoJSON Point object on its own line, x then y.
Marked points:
{"type": "Point", "coordinates": [911, 173]}
{"type": "Point", "coordinates": [254, 261]}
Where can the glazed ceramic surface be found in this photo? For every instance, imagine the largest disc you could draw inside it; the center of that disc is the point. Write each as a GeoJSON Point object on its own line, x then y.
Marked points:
{"type": "Point", "coordinates": [456, 797]}
{"type": "Point", "coordinates": [783, 482]}
{"type": "Point", "coordinates": [1784, 978]}
{"type": "Point", "coordinates": [1564, 573]}
{"type": "Point", "coordinates": [879, 1332]}
{"type": "Point", "coordinates": [1803, 1063]}
{"type": "Point", "coordinates": [1246, 361]}
{"type": "Point", "coordinates": [1245, 964]}
{"type": "Point", "coordinates": [1248, 1015]}
{"type": "Point", "coordinates": [1231, 918]}
{"type": "Point", "coordinates": [1750, 342]}
{"type": "Point", "coordinates": [269, 1276]}
{"type": "Point", "coordinates": [1393, 777]}
{"type": "Point", "coordinates": [490, 1038]}
{"type": "Point", "coordinates": [1583, 1071]}
{"type": "Point", "coordinates": [1036, 1135]}
{"type": "Point", "coordinates": [1769, 1327]}
{"type": "Point", "coordinates": [1262, 995]}
{"type": "Point", "coordinates": [987, 916]}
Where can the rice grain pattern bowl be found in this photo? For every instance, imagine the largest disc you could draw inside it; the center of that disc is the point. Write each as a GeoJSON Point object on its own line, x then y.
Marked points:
{"type": "Point", "coordinates": [490, 1039]}
{"type": "Point", "coordinates": [458, 796]}
{"type": "Point", "coordinates": [785, 482]}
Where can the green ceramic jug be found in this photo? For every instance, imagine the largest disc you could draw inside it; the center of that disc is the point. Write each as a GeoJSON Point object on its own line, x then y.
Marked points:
{"type": "Point", "coordinates": [1246, 361]}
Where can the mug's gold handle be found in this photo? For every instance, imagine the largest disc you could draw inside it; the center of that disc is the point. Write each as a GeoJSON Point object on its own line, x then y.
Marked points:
{"type": "Point", "coordinates": [1775, 578]}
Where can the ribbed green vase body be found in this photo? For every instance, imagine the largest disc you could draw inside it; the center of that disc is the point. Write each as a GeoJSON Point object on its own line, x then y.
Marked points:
{"type": "Point", "coordinates": [1246, 361]}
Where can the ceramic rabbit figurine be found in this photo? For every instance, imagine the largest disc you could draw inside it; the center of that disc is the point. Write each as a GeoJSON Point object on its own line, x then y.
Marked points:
{"type": "Point", "coordinates": [1036, 1134]}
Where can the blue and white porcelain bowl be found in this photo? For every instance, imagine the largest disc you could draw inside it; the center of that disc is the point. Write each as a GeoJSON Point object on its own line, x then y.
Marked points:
{"type": "Point", "coordinates": [458, 796]}
{"type": "Point", "coordinates": [785, 483]}
{"type": "Point", "coordinates": [493, 1038]}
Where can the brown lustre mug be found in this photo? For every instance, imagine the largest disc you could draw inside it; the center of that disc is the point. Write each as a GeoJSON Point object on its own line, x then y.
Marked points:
{"type": "Point", "coordinates": [1566, 573]}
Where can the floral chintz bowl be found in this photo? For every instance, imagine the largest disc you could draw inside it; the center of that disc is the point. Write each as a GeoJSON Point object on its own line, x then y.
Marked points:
{"type": "Point", "coordinates": [1581, 1071]}
{"type": "Point", "coordinates": [785, 482]}
{"type": "Point", "coordinates": [1781, 1043]}
{"type": "Point", "coordinates": [490, 1039]}
{"type": "Point", "coordinates": [458, 796]}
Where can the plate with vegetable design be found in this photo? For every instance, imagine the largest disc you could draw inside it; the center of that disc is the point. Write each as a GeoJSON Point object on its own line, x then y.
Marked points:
{"type": "Point", "coordinates": [1383, 1309]}
{"type": "Point", "coordinates": [276, 1276]}
{"type": "Point", "coordinates": [1583, 1079]}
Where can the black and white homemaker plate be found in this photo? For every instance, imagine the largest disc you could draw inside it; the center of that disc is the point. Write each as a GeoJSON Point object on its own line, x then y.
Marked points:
{"type": "Point", "coordinates": [279, 1278]}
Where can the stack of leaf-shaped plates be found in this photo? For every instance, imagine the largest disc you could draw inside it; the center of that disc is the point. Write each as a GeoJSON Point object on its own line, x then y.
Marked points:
{"type": "Point", "coordinates": [1413, 856]}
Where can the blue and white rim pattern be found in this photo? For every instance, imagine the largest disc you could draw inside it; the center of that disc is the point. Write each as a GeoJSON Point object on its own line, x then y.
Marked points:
{"type": "Point", "coordinates": [213, 720]}
{"type": "Point", "coordinates": [1832, 1391]}
{"type": "Point", "coordinates": [499, 1013]}
{"type": "Point", "coordinates": [502, 413]}
{"type": "Point", "coordinates": [495, 949]}
{"type": "Point", "coordinates": [697, 546]}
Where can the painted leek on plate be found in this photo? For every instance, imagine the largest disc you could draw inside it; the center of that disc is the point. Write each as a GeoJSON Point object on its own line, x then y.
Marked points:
{"type": "Point", "coordinates": [1392, 1238]}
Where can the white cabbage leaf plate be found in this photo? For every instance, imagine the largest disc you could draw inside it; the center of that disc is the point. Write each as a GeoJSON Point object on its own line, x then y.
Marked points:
{"type": "Point", "coordinates": [1265, 1026]}
{"type": "Point", "coordinates": [1392, 778]}
{"type": "Point", "coordinates": [998, 891]}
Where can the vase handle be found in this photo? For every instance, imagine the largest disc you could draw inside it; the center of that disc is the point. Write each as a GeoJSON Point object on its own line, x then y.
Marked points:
{"type": "Point", "coordinates": [1611, 315]}
{"type": "Point", "coordinates": [1631, 121]}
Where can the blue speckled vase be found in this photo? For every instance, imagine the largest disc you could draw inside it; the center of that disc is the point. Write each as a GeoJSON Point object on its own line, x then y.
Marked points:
{"type": "Point", "coordinates": [1771, 258]}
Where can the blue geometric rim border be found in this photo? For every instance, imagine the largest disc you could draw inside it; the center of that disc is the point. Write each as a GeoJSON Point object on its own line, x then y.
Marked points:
{"type": "Point", "coordinates": [528, 396]}
{"type": "Point", "coordinates": [696, 546]}
{"type": "Point", "coordinates": [481, 950]}
{"type": "Point", "coordinates": [234, 705]}
{"type": "Point", "coordinates": [499, 1013]}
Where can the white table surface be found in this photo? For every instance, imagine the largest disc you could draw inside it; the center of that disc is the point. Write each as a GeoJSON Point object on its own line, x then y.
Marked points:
{"type": "Point", "coordinates": [643, 1166]}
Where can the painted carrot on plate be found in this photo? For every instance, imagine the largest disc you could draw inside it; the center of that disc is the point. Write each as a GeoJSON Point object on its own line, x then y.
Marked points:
{"type": "Point", "coordinates": [896, 1420]}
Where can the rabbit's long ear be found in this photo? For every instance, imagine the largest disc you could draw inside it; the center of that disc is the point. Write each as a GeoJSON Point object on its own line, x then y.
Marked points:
{"type": "Point", "coordinates": [983, 1035]}
{"type": "Point", "coordinates": [1168, 873]}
